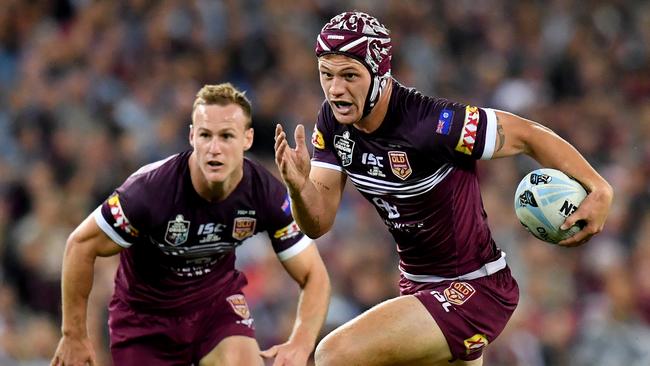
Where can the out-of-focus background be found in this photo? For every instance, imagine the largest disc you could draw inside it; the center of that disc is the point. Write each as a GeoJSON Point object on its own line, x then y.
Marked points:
{"type": "Point", "coordinates": [91, 90]}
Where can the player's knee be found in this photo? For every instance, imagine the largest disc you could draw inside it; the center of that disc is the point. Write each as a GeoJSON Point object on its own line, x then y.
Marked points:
{"type": "Point", "coordinates": [331, 351]}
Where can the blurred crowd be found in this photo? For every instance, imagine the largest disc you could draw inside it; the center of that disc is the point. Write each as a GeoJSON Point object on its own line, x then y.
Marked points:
{"type": "Point", "coordinates": [90, 90]}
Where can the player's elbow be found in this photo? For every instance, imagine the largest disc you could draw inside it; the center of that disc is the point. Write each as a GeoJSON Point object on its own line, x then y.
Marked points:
{"type": "Point", "coordinates": [315, 229]}
{"type": "Point", "coordinates": [76, 249]}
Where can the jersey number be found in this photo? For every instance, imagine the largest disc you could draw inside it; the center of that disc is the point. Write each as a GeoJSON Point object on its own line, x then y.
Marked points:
{"type": "Point", "coordinates": [391, 210]}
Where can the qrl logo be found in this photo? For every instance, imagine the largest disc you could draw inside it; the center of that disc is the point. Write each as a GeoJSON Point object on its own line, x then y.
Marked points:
{"type": "Point", "coordinates": [399, 164]}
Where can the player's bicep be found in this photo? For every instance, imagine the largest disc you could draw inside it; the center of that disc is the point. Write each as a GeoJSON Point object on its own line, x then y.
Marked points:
{"type": "Point", "coordinates": [329, 184]}
{"type": "Point", "coordinates": [514, 133]}
{"type": "Point", "coordinates": [89, 238]}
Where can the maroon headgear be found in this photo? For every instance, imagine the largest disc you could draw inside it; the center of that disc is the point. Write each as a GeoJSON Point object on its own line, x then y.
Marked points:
{"type": "Point", "coordinates": [362, 37]}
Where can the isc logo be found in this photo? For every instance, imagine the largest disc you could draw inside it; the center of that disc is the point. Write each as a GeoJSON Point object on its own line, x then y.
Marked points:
{"type": "Point", "coordinates": [442, 300]}
{"type": "Point", "coordinates": [567, 208]}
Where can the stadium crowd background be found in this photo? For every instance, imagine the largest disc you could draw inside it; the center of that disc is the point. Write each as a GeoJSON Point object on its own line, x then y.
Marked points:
{"type": "Point", "coordinates": [91, 90]}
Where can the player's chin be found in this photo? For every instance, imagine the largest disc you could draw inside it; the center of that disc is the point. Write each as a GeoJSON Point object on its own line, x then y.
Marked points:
{"type": "Point", "coordinates": [347, 119]}
{"type": "Point", "coordinates": [214, 176]}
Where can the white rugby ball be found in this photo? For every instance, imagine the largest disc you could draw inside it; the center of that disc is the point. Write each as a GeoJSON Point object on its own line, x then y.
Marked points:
{"type": "Point", "coordinates": [544, 199]}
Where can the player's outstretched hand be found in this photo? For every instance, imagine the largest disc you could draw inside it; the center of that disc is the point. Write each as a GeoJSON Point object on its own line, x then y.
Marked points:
{"type": "Point", "coordinates": [288, 354]}
{"type": "Point", "coordinates": [74, 352]}
{"type": "Point", "coordinates": [293, 164]}
{"type": "Point", "coordinates": [593, 211]}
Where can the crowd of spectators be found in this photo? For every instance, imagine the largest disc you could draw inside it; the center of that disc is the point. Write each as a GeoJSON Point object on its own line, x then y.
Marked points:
{"type": "Point", "coordinates": [91, 90]}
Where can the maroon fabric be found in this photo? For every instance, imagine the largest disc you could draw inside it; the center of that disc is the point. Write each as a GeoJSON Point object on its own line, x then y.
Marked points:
{"type": "Point", "coordinates": [139, 338]}
{"type": "Point", "coordinates": [426, 192]}
{"type": "Point", "coordinates": [471, 314]}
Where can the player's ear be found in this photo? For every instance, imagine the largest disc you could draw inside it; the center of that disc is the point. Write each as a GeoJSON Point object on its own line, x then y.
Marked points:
{"type": "Point", "coordinates": [191, 135]}
{"type": "Point", "coordinates": [248, 138]}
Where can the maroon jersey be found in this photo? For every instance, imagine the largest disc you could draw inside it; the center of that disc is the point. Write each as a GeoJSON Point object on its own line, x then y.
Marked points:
{"type": "Point", "coordinates": [418, 169]}
{"type": "Point", "coordinates": [181, 248]}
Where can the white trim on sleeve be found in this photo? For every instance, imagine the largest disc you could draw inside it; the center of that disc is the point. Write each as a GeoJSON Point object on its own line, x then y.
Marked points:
{"type": "Point", "coordinates": [490, 134]}
{"type": "Point", "coordinates": [295, 249]}
{"type": "Point", "coordinates": [108, 229]}
{"type": "Point", "coordinates": [326, 165]}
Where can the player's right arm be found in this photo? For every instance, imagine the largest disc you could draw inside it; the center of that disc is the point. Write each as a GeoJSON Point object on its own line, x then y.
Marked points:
{"type": "Point", "coordinates": [315, 191]}
{"type": "Point", "coordinates": [84, 245]}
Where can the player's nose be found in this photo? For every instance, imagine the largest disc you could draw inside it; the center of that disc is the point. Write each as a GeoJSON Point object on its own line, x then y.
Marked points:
{"type": "Point", "coordinates": [214, 147]}
{"type": "Point", "coordinates": [337, 86]}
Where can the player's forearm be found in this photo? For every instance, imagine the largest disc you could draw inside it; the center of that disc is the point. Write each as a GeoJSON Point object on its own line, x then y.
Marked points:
{"type": "Point", "coordinates": [550, 150]}
{"type": "Point", "coordinates": [312, 308]}
{"type": "Point", "coordinates": [311, 211]}
{"type": "Point", "coordinates": [76, 283]}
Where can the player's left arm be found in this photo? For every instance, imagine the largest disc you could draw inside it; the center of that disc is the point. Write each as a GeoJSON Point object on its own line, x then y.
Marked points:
{"type": "Point", "coordinates": [516, 135]}
{"type": "Point", "coordinates": [308, 270]}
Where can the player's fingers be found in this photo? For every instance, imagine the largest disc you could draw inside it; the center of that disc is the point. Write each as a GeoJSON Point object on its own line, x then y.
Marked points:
{"type": "Point", "coordinates": [299, 135]}
{"type": "Point", "coordinates": [572, 219]}
{"type": "Point", "coordinates": [281, 151]}
{"type": "Point", "coordinates": [578, 239]}
{"type": "Point", "coordinates": [278, 129]}
{"type": "Point", "coordinates": [269, 353]}
{"type": "Point", "coordinates": [279, 360]}
{"type": "Point", "coordinates": [279, 139]}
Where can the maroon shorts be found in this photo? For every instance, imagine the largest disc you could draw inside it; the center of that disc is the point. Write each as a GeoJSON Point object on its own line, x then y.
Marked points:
{"type": "Point", "coordinates": [471, 314]}
{"type": "Point", "coordinates": [139, 338]}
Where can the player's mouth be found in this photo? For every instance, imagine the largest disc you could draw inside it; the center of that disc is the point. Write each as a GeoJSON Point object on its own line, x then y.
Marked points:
{"type": "Point", "coordinates": [342, 107]}
{"type": "Point", "coordinates": [215, 164]}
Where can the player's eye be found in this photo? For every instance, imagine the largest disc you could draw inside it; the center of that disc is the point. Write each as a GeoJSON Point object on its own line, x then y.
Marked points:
{"type": "Point", "coordinates": [350, 76]}
{"type": "Point", "coordinates": [204, 135]}
{"type": "Point", "coordinates": [326, 75]}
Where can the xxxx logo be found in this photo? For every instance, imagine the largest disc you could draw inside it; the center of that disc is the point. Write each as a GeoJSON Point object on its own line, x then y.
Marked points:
{"type": "Point", "coordinates": [475, 343]}
{"type": "Point", "coordinates": [468, 134]}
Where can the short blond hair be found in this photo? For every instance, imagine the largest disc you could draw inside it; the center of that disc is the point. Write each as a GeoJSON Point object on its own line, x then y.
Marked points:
{"type": "Point", "coordinates": [224, 94]}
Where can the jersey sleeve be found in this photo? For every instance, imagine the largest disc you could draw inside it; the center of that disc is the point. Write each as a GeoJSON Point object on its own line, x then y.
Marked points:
{"type": "Point", "coordinates": [321, 140]}
{"type": "Point", "coordinates": [286, 238]}
{"type": "Point", "coordinates": [123, 215]}
{"type": "Point", "coordinates": [462, 131]}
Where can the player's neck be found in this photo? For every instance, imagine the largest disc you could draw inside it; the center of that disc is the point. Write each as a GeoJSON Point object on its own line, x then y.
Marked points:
{"type": "Point", "coordinates": [213, 191]}
{"type": "Point", "coordinates": [371, 122]}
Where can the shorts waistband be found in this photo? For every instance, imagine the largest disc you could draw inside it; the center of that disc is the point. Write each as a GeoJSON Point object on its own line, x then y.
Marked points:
{"type": "Point", "coordinates": [486, 270]}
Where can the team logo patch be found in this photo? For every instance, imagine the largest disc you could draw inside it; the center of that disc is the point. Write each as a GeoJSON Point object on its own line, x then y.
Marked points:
{"type": "Point", "coordinates": [239, 305]}
{"type": "Point", "coordinates": [178, 231]}
{"type": "Point", "coordinates": [344, 148]}
{"type": "Point", "coordinates": [317, 139]}
{"type": "Point", "coordinates": [468, 133]}
{"type": "Point", "coordinates": [459, 292]}
{"type": "Point", "coordinates": [121, 221]}
{"type": "Point", "coordinates": [287, 232]}
{"type": "Point", "coordinates": [444, 121]}
{"type": "Point", "coordinates": [475, 343]}
{"type": "Point", "coordinates": [243, 227]}
{"type": "Point", "coordinates": [399, 164]}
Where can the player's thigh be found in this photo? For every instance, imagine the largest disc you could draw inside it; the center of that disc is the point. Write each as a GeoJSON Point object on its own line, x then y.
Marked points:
{"type": "Point", "coordinates": [399, 331]}
{"type": "Point", "coordinates": [234, 350]}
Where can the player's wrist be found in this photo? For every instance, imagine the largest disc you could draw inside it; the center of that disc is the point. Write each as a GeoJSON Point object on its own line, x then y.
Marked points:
{"type": "Point", "coordinates": [74, 333]}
